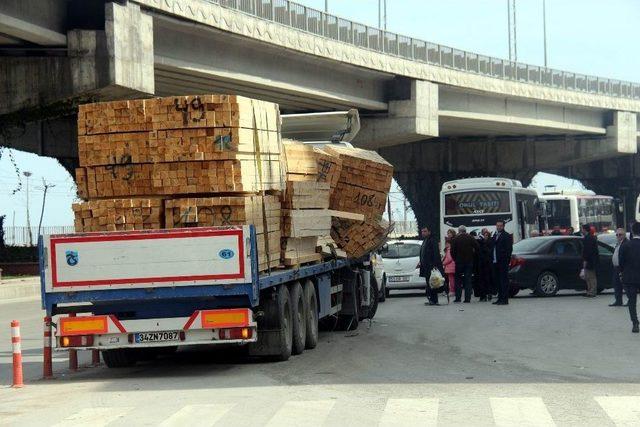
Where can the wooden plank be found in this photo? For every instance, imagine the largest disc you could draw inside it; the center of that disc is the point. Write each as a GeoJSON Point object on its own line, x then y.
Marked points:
{"type": "Point", "coordinates": [346, 215]}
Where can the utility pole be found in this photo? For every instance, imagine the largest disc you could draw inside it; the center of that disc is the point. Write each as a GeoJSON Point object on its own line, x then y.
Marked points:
{"type": "Point", "coordinates": [326, 6]}
{"type": "Point", "coordinates": [544, 29]}
{"type": "Point", "coordinates": [379, 13]}
{"type": "Point", "coordinates": [28, 174]}
{"type": "Point", "coordinates": [511, 23]}
{"type": "Point", "coordinates": [389, 208]}
{"type": "Point", "coordinates": [385, 15]}
{"type": "Point", "coordinates": [44, 187]}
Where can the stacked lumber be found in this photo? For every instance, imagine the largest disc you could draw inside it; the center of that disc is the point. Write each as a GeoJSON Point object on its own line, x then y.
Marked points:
{"type": "Point", "coordinates": [306, 163]}
{"type": "Point", "coordinates": [305, 218]}
{"type": "Point", "coordinates": [364, 181]}
{"type": "Point", "coordinates": [146, 179]}
{"type": "Point", "coordinates": [186, 161]}
{"type": "Point", "coordinates": [261, 211]}
{"type": "Point", "coordinates": [357, 238]}
{"type": "Point", "coordinates": [118, 214]}
{"type": "Point", "coordinates": [178, 145]}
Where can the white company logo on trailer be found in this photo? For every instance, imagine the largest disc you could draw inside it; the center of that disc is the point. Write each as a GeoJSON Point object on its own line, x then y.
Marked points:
{"type": "Point", "coordinates": [479, 203]}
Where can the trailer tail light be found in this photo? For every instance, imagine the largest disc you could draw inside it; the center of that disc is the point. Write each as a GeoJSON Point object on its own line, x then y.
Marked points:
{"type": "Point", "coordinates": [77, 341]}
{"type": "Point", "coordinates": [235, 334]}
{"type": "Point", "coordinates": [83, 325]}
{"type": "Point", "coordinates": [516, 262]}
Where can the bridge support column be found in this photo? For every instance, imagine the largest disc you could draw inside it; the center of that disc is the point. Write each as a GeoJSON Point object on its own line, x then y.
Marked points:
{"type": "Point", "coordinates": [413, 116]}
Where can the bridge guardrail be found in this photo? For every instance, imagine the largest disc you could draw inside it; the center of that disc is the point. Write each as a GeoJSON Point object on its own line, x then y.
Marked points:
{"type": "Point", "coordinates": [323, 24]}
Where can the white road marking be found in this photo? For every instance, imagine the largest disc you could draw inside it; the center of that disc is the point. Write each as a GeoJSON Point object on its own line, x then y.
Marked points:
{"type": "Point", "coordinates": [94, 416]}
{"type": "Point", "coordinates": [308, 413]}
{"type": "Point", "coordinates": [198, 415]}
{"type": "Point", "coordinates": [520, 412]}
{"type": "Point", "coordinates": [623, 410]}
{"type": "Point", "coordinates": [405, 412]}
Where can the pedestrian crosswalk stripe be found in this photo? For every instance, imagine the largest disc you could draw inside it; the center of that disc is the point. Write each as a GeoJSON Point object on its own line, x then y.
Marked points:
{"type": "Point", "coordinates": [308, 413]}
{"type": "Point", "coordinates": [520, 411]}
{"type": "Point", "coordinates": [198, 415]}
{"type": "Point", "coordinates": [404, 412]}
{"type": "Point", "coordinates": [95, 417]}
{"type": "Point", "coordinates": [623, 410]}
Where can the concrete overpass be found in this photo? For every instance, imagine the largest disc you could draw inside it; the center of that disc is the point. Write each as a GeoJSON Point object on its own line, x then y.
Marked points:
{"type": "Point", "coordinates": [456, 113]}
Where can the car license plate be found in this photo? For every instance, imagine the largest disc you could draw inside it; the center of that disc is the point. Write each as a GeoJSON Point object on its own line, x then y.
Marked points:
{"type": "Point", "coordinates": [399, 278]}
{"type": "Point", "coordinates": [142, 337]}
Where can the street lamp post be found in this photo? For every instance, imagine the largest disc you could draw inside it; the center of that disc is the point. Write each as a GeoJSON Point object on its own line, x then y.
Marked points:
{"type": "Point", "coordinates": [27, 175]}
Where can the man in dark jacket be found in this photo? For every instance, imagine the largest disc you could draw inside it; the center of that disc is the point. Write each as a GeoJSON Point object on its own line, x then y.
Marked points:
{"type": "Point", "coordinates": [429, 259]}
{"type": "Point", "coordinates": [629, 259]}
{"type": "Point", "coordinates": [464, 249]}
{"type": "Point", "coordinates": [501, 256]}
{"type": "Point", "coordinates": [484, 266]}
{"type": "Point", "coordinates": [590, 260]}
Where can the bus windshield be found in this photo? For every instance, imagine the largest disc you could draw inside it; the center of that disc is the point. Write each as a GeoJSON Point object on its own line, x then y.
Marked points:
{"type": "Point", "coordinates": [559, 213]}
{"type": "Point", "coordinates": [477, 202]}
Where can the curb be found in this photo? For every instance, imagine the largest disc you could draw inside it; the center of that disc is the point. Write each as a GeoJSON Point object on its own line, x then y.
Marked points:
{"type": "Point", "coordinates": [19, 289]}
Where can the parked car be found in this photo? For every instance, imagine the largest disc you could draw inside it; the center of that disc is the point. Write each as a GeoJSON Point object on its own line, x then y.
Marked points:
{"type": "Point", "coordinates": [550, 263]}
{"type": "Point", "coordinates": [610, 238]}
{"type": "Point", "coordinates": [397, 266]}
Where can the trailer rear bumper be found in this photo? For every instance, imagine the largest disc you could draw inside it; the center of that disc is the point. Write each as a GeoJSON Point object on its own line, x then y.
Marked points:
{"type": "Point", "coordinates": [106, 332]}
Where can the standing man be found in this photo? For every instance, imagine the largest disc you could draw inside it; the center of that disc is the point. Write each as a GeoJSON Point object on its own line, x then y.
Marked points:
{"type": "Point", "coordinates": [429, 259]}
{"type": "Point", "coordinates": [464, 250]}
{"type": "Point", "coordinates": [590, 260]}
{"type": "Point", "coordinates": [629, 257]}
{"type": "Point", "coordinates": [502, 249]}
{"type": "Point", "coordinates": [615, 260]}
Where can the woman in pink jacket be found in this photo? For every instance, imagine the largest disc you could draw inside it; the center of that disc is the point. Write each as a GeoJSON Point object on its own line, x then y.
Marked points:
{"type": "Point", "coordinates": [448, 262]}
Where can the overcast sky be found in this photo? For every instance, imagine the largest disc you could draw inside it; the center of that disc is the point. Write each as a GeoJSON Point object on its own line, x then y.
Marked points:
{"type": "Point", "coordinates": [586, 36]}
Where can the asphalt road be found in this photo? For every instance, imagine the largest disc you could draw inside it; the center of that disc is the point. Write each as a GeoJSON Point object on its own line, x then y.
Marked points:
{"type": "Point", "coordinates": [566, 361]}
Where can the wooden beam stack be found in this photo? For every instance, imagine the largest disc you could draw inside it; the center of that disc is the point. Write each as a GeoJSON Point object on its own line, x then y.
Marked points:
{"type": "Point", "coordinates": [184, 161]}
{"type": "Point", "coordinates": [118, 214]}
{"type": "Point", "coordinates": [358, 238]}
{"type": "Point", "coordinates": [364, 182]}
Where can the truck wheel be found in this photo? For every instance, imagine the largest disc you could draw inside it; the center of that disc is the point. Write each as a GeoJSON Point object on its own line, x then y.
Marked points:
{"type": "Point", "coordinates": [383, 291]}
{"type": "Point", "coordinates": [299, 314]}
{"type": "Point", "coordinates": [285, 338]}
{"type": "Point", "coordinates": [311, 314]}
{"type": "Point", "coordinates": [119, 358]}
{"type": "Point", "coordinates": [350, 315]}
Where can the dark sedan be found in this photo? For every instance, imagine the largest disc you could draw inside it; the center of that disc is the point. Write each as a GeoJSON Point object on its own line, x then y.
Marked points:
{"type": "Point", "coordinates": [548, 264]}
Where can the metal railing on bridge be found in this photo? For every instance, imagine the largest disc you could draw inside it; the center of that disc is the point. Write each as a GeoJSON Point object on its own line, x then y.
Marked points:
{"type": "Point", "coordinates": [323, 24]}
{"type": "Point", "coordinates": [19, 236]}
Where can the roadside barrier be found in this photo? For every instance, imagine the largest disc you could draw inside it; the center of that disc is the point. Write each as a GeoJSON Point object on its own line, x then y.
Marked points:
{"type": "Point", "coordinates": [17, 354]}
{"type": "Point", "coordinates": [47, 365]}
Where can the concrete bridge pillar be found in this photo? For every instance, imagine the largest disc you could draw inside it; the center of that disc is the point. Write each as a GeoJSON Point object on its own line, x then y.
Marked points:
{"type": "Point", "coordinates": [412, 116]}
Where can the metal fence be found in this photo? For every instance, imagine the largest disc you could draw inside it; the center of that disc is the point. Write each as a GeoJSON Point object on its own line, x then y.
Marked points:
{"type": "Point", "coordinates": [326, 25]}
{"type": "Point", "coordinates": [404, 228]}
{"type": "Point", "coordinates": [19, 236]}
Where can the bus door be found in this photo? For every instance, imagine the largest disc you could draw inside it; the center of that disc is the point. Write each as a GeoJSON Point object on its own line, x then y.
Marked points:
{"type": "Point", "coordinates": [522, 221]}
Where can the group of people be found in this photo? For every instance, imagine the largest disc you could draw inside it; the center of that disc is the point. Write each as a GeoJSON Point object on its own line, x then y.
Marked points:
{"type": "Point", "coordinates": [472, 264]}
{"type": "Point", "coordinates": [479, 264]}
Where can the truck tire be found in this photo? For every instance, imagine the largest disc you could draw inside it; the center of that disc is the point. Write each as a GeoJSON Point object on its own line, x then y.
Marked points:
{"type": "Point", "coordinates": [309, 290]}
{"type": "Point", "coordinates": [285, 318]}
{"type": "Point", "coordinates": [299, 316]}
{"type": "Point", "coordinates": [349, 317]}
{"type": "Point", "coordinates": [374, 297]}
{"type": "Point", "coordinates": [119, 358]}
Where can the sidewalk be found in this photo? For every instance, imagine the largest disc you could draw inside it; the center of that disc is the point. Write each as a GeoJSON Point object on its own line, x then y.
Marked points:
{"type": "Point", "coordinates": [27, 287]}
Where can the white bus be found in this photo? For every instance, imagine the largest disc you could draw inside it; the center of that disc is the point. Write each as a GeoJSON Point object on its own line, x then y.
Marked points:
{"type": "Point", "coordinates": [479, 203]}
{"type": "Point", "coordinates": [572, 208]}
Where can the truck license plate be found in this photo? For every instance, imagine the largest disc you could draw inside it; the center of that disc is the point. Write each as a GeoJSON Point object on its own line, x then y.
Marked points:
{"type": "Point", "coordinates": [142, 337]}
{"type": "Point", "coordinates": [399, 278]}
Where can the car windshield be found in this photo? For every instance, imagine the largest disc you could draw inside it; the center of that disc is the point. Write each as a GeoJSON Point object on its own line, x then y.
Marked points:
{"type": "Point", "coordinates": [608, 238]}
{"type": "Point", "coordinates": [528, 246]}
{"type": "Point", "coordinates": [400, 250]}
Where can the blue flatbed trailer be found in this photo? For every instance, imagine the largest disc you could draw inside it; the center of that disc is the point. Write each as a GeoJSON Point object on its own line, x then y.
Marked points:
{"type": "Point", "coordinates": [125, 292]}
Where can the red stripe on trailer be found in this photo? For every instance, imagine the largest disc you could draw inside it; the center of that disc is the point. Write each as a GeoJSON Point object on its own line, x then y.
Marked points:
{"type": "Point", "coordinates": [120, 237]}
{"type": "Point", "coordinates": [116, 322]}
{"type": "Point", "coordinates": [191, 320]}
